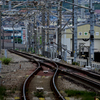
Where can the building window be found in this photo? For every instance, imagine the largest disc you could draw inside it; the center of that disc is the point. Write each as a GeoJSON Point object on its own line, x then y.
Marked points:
{"type": "Point", "coordinates": [97, 33]}
{"type": "Point", "coordinates": [85, 33]}
{"type": "Point", "coordinates": [80, 33]}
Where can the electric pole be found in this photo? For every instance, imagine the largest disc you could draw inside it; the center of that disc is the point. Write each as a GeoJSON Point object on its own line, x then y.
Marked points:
{"type": "Point", "coordinates": [91, 51]}
{"type": "Point", "coordinates": [59, 29]}
{"type": "Point", "coordinates": [48, 24]}
{"type": "Point", "coordinates": [13, 37]}
{"type": "Point", "coordinates": [29, 35]}
{"type": "Point", "coordinates": [0, 24]}
{"type": "Point", "coordinates": [74, 36]}
{"type": "Point", "coordinates": [35, 34]}
{"type": "Point", "coordinates": [2, 39]}
{"type": "Point", "coordinates": [9, 4]}
{"type": "Point", "coordinates": [43, 30]}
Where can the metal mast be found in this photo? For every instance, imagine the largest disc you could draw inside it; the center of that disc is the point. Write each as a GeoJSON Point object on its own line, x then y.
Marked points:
{"type": "Point", "coordinates": [0, 25]}
{"type": "Point", "coordinates": [35, 34]}
{"type": "Point", "coordinates": [74, 36]}
{"type": "Point", "coordinates": [43, 30]}
{"type": "Point", "coordinates": [82, 10]}
{"type": "Point", "coordinates": [29, 35]}
{"type": "Point", "coordinates": [91, 52]}
{"type": "Point", "coordinates": [59, 29]}
{"type": "Point", "coordinates": [9, 4]}
{"type": "Point", "coordinates": [48, 25]}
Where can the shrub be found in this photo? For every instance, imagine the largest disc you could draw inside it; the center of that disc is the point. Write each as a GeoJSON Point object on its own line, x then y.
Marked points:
{"type": "Point", "coordinates": [6, 61]}
{"type": "Point", "coordinates": [38, 94]}
{"type": "Point", "coordinates": [84, 95]}
{"type": "Point", "coordinates": [75, 63]}
{"type": "Point", "coordinates": [2, 92]}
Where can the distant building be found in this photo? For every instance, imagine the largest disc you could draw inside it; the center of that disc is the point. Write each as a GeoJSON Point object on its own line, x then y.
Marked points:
{"type": "Point", "coordinates": [83, 36]}
{"type": "Point", "coordinates": [8, 34]}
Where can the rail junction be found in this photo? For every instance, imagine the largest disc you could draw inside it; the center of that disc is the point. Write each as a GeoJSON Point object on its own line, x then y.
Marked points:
{"type": "Point", "coordinates": [37, 40]}
{"type": "Point", "coordinates": [88, 79]}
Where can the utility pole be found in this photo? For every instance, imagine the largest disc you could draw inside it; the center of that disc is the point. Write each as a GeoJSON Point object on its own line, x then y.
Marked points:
{"type": "Point", "coordinates": [59, 29]}
{"type": "Point", "coordinates": [0, 24]}
{"type": "Point", "coordinates": [35, 34]}
{"type": "Point", "coordinates": [13, 37]}
{"type": "Point", "coordinates": [91, 51]}
{"type": "Point", "coordinates": [74, 36]}
{"type": "Point", "coordinates": [82, 10]}
{"type": "Point", "coordinates": [29, 35]}
{"type": "Point", "coordinates": [43, 30]}
{"type": "Point", "coordinates": [2, 39]}
{"type": "Point", "coordinates": [26, 29]}
{"type": "Point", "coordinates": [48, 23]}
{"type": "Point", "coordinates": [9, 5]}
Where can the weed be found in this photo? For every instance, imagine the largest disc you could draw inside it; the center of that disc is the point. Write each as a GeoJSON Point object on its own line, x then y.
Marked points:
{"type": "Point", "coordinates": [81, 94]}
{"type": "Point", "coordinates": [6, 61]}
{"type": "Point", "coordinates": [38, 94]}
{"type": "Point", "coordinates": [75, 63]}
{"type": "Point", "coordinates": [2, 92]}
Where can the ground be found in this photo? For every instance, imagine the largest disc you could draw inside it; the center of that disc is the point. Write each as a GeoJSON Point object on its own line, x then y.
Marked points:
{"type": "Point", "coordinates": [14, 74]}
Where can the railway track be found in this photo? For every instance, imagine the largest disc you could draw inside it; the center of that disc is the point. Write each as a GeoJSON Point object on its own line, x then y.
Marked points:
{"type": "Point", "coordinates": [68, 66]}
{"type": "Point", "coordinates": [24, 95]}
{"type": "Point", "coordinates": [90, 82]}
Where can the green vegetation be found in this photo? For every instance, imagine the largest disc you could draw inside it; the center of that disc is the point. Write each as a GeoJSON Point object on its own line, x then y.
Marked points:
{"type": "Point", "coordinates": [40, 40]}
{"type": "Point", "coordinates": [81, 94]}
{"type": "Point", "coordinates": [2, 92]}
{"type": "Point", "coordinates": [5, 61]}
{"type": "Point", "coordinates": [38, 94]}
{"type": "Point", "coordinates": [18, 40]}
{"type": "Point", "coordinates": [75, 63]}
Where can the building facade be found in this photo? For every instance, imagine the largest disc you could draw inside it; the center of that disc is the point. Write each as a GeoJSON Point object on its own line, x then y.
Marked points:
{"type": "Point", "coordinates": [83, 36]}
{"type": "Point", "coordinates": [7, 34]}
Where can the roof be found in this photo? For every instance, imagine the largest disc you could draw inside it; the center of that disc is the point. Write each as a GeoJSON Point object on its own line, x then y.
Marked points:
{"type": "Point", "coordinates": [82, 25]}
{"type": "Point", "coordinates": [11, 29]}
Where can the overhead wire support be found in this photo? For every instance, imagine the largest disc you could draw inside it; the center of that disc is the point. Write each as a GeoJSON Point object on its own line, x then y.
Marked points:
{"type": "Point", "coordinates": [91, 51]}
{"type": "Point", "coordinates": [13, 37]}
{"type": "Point", "coordinates": [48, 23]}
{"type": "Point", "coordinates": [59, 48]}
{"type": "Point", "coordinates": [0, 23]}
{"type": "Point", "coordinates": [29, 35]}
{"type": "Point", "coordinates": [35, 34]}
{"type": "Point", "coordinates": [43, 30]}
{"type": "Point", "coordinates": [74, 35]}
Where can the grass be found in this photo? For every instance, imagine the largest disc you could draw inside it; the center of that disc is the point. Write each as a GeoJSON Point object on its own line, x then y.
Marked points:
{"type": "Point", "coordinates": [38, 94]}
{"type": "Point", "coordinates": [75, 63]}
{"type": "Point", "coordinates": [81, 94]}
{"type": "Point", "coordinates": [5, 61]}
{"type": "Point", "coordinates": [2, 92]}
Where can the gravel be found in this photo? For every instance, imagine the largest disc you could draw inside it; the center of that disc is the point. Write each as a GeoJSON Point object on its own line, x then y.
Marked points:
{"type": "Point", "coordinates": [14, 74]}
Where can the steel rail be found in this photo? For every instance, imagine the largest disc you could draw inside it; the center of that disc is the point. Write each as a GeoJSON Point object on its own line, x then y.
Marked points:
{"type": "Point", "coordinates": [90, 74]}
{"type": "Point", "coordinates": [25, 83]}
{"type": "Point", "coordinates": [88, 82]}
{"type": "Point", "coordinates": [54, 77]}
{"type": "Point", "coordinates": [94, 84]}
